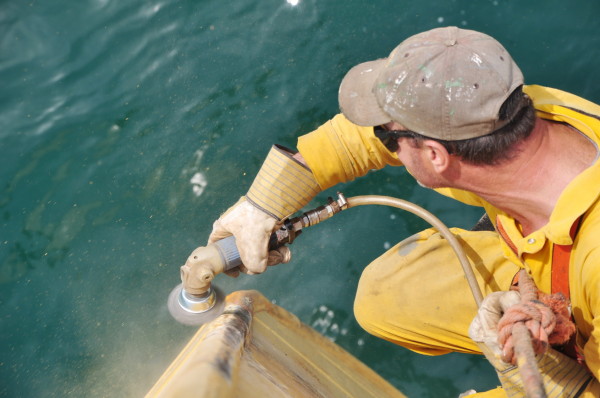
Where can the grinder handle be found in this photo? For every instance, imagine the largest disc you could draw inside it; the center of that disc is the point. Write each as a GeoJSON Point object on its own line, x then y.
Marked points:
{"type": "Point", "coordinates": [230, 254]}
{"type": "Point", "coordinates": [228, 250]}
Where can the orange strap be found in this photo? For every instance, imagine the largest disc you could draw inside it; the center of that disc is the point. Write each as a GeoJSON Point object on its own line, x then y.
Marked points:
{"type": "Point", "coordinates": [561, 257]}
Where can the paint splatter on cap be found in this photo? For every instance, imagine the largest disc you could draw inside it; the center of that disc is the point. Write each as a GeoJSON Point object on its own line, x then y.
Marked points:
{"type": "Point", "coordinates": [446, 83]}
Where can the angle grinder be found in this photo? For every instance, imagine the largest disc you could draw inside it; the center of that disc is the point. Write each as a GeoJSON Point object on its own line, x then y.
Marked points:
{"type": "Point", "coordinates": [196, 300]}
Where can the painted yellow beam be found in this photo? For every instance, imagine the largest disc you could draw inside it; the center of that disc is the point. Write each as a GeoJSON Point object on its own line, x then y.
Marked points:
{"type": "Point", "coordinates": [258, 349]}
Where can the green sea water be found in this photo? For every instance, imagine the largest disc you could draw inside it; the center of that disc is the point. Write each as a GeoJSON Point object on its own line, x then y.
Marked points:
{"type": "Point", "coordinates": [127, 127]}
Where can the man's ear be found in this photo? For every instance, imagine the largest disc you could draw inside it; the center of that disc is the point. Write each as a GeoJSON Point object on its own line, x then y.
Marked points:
{"type": "Point", "coordinates": [437, 154]}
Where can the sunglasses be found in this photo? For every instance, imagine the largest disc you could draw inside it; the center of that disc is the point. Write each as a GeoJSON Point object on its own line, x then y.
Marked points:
{"type": "Point", "coordinates": [389, 138]}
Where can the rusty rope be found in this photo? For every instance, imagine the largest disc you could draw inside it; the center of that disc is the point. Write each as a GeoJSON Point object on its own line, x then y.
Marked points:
{"type": "Point", "coordinates": [545, 316]}
{"type": "Point", "coordinates": [529, 328]}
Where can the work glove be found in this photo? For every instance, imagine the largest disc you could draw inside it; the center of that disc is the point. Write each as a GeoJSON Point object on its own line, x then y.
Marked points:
{"type": "Point", "coordinates": [561, 375]}
{"type": "Point", "coordinates": [282, 187]}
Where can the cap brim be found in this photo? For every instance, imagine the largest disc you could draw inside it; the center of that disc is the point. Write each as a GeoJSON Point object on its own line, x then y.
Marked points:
{"type": "Point", "coordinates": [356, 98]}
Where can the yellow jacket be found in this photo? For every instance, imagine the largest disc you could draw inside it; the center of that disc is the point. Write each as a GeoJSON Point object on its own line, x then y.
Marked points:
{"type": "Point", "coordinates": [340, 151]}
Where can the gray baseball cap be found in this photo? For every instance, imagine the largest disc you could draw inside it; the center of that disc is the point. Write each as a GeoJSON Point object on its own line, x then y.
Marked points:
{"type": "Point", "coordinates": [446, 83]}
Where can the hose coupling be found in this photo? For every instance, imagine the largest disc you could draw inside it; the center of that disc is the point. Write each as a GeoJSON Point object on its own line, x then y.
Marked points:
{"type": "Point", "coordinates": [321, 213]}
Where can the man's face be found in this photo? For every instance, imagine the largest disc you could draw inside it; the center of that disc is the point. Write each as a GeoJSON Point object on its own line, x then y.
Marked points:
{"type": "Point", "coordinates": [415, 159]}
{"type": "Point", "coordinates": [411, 158]}
{"type": "Point", "coordinates": [418, 161]}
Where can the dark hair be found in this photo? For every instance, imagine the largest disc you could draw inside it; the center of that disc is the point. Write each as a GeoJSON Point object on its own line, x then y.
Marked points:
{"type": "Point", "coordinates": [496, 146]}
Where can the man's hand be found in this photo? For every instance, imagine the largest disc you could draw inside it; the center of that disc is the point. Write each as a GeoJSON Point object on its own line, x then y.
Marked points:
{"type": "Point", "coordinates": [252, 229]}
{"type": "Point", "coordinates": [283, 186]}
{"type": "Point", "coordinates": [559, 372]}
{"type": "Point", "coordinates": [484, 328]}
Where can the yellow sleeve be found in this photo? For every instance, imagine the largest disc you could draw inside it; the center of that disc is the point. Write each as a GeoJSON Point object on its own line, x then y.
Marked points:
{"type": "Point", "coordinates": [341, 151]}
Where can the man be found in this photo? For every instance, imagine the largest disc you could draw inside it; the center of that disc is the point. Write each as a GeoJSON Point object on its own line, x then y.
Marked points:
{"type": "Point", "coordinates": [450, 105]}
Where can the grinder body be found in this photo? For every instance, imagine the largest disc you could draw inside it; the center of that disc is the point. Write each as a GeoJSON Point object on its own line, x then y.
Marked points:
{"type": "Point", "coordinates": [195, 301]}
